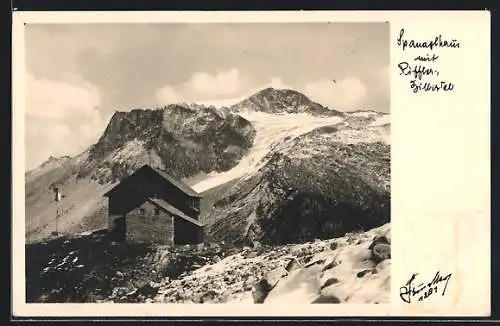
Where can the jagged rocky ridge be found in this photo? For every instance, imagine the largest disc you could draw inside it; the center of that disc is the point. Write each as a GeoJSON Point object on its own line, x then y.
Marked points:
{"type": "Point", "coordinates": [320, 185]}
{"type": "Point", "coordinates": [184, 139]}
{"type": "Point", "coordinates": [51, 163]}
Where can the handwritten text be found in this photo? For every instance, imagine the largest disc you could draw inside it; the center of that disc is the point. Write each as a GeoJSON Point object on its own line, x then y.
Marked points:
{"type": "Point", "coordinates": [422, 71]}
{"type": "Point", "coordinates": [413, 290]}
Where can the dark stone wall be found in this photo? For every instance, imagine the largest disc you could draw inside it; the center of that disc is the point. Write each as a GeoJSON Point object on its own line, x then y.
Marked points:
{"type": "Point", "coordinates": [149, 227]}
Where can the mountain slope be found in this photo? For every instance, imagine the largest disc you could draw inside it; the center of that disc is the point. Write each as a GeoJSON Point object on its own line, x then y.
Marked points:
{"type": "Point", "coordinates": [281, 114]}
{"type": "Point", "coordinates": [271, 129]}
{"type": "Point", "coordinates": [330, 181]}
{"type": "Point", "coordinates": [50, 164]}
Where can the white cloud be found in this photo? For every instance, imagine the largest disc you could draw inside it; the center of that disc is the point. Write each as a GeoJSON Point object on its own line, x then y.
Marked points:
{"type": "Point", "coordinates": [345, 94]}
{"type": "Point", "coordinates": [378, 90]}
{"type": "Point", "coordinates": [224, 83]}
{"type": "Point", "coordinates": [62, 118]}
{"type": "Point", "coordinates": [277, 82]}
{"type": "Point", "coordinates": [59, 100]}
{"type": "Point", "coordinates": [202, 85]}
{"type": "Point", "coordinates": [168, 95]}
{"type": "Point", "coordinates": [383, 73]}
{"type": "Point", "coordinates": [274, 82]}
{"type": "Point", "coordinates": [226, 88]}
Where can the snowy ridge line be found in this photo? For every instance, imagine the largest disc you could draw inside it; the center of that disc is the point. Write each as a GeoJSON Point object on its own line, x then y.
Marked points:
{"type": "Point", "coordinates": [270, 129]}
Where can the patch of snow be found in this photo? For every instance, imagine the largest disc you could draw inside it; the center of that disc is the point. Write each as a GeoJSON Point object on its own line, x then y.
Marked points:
{"type": "Point", "coordinates": [270, 129]}
{"type": "Point", "coordinates": [364, 114]}
{"type": "Point", "coordinates": [386, 118]}
{"type": "Point", "coordinates": [85, 233]}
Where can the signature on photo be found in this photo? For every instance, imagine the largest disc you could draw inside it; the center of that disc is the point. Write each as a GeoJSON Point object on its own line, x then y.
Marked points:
{"type": "Point", "coordinates": [414, 290]}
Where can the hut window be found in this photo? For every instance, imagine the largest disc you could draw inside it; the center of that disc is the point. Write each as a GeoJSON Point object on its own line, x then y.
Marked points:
{"type": "Point", "coordinates": [157, 211]}
{"type": "Point", "coordinates": [142, 211]}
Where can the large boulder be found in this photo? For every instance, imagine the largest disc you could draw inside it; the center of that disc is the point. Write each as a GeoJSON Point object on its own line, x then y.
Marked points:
{"type": "Point", "coordinates": [263, 286]}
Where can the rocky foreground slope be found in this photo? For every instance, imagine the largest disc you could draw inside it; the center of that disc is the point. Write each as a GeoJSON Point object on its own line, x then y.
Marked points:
{"type": "Point", "coordinates": [354, 268]}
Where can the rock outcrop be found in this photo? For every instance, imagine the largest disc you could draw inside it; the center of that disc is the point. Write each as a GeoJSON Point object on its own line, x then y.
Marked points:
{"type": "Point", "coordinates": [184, 139]}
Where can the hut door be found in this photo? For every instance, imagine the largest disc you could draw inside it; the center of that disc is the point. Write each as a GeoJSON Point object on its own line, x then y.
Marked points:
{"type": "Point", "coordinates": [121, 229]}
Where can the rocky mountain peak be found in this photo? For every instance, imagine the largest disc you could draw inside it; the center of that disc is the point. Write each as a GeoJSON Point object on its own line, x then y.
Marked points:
{"type": "Point", "coordinates": [272, 100]}
{"type": "Point", "coordinates": [125, 126]}
{"type": "Point", "coordinates": [57, 158]}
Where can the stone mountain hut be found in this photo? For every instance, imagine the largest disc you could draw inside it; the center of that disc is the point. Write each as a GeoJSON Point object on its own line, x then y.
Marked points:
{"type": "Point", "coordinates": [152, 206]}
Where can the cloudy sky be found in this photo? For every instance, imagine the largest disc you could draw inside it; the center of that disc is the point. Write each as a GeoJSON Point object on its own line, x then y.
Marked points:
{"type": "Point", "coordinates": [79, 74]}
